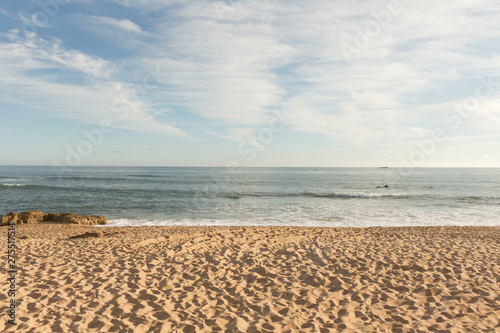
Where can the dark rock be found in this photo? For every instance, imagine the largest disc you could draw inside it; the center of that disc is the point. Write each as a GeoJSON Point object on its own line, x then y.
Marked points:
{"type": "Point", "coordinates": [32, 216]}
{"type": "Point", "coordinates": [91, 234]}
{"type": "Point", "coordinates": [76, 219]}
{"type": "Point", "coordinates": [38, 216]}
{"type": "Point", "coordinates": [9, 218]}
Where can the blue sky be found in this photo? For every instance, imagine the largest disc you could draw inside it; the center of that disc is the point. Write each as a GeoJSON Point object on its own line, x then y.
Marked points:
{"type": "Point", "coordinates": [250, 83]}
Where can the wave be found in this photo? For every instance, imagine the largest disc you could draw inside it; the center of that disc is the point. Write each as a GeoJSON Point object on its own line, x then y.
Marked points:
{"type": "Point", "coordinates": [234, 197]}
{"type": "Point", "coordinates": [345, 195]}
{"type": "Point", "coordinates": [146, 176]}
{"type": "Point", "coordinates": [140, 222]}
{"type": "Point", "coordinates": [11, 179]}
{"type": "Point", "coordinates": [135, 192]}
{"type": "Point", "coordinates": [478, 201]}
{"type": "Point", "coordinates": [355, 195]}
{"type": "Point", "coordinates": [333, 195]}
{"type": "Point", "coordinates": [23, 186]}
{"type": "Point", "coordinates": [474, 198]}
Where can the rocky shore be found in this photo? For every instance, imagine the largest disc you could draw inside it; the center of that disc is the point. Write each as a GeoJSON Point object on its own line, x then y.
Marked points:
{"type": "Point", "coordinates": [37, 216]}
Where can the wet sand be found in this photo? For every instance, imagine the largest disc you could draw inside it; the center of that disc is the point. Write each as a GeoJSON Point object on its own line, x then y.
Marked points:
{"type": "Point", "coordinates": [255, 279]}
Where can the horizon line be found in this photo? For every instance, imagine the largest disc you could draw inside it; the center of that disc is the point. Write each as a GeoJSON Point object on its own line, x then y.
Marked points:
{"type": "Point", "coordinates": [219, 166]}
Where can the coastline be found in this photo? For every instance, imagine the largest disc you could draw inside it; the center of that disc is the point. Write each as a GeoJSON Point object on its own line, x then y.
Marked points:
{"type": "Point", "coordinates": [327, 197]}
{"type": "Point", "coordinates": [257, 279]}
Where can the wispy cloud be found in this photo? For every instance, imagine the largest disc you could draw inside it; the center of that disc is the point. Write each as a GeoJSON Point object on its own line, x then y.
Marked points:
{"type": "Point", "coordinates": [229, 64]}
{"type": "Point", "coordinates": [123, 24]}
{"type": "Point", "coordinates": [260, 55]}
{"type": "Point", "coordinates": [6, 13]}
{"type": "Point", "coordinates": [46, 54]}
{"type": "Point", "coordinates": [96, 98]}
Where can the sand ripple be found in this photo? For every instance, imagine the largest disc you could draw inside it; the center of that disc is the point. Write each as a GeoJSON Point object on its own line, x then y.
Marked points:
{"type": "Point", "coordinates": [205, 279]}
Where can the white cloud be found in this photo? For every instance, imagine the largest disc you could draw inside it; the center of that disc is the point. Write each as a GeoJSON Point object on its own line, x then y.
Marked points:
{"type": "Point", "coordinates": [232, 62]}
{"type": "Point", "coordinates": [90, 101]}
{"type": "Point", "coordinates": [123, 24]}
{"type": "Point", "coordinates": [219, 71]}
{"type": "Point", "coordinates": [37, 53]}
{"type": "Point", "coordinates": [147, 4]}
{"type": "Point", "coordinates": [235, 61]}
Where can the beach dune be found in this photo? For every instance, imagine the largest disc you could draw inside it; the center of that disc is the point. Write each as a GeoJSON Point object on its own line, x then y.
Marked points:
{"type": "Point", "coordinates": [254, 279]}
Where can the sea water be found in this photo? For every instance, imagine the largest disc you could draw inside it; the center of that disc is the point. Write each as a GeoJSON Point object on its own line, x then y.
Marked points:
{"type": "Point", "coordinates": [324, 197]}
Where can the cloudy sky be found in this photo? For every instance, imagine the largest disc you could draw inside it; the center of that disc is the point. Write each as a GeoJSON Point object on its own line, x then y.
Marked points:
{"type": "Point", "coordinates": [252, 83]}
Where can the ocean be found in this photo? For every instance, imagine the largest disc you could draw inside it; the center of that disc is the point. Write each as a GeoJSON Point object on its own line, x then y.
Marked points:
{"type": "Point", "coordinates": [319, 197]}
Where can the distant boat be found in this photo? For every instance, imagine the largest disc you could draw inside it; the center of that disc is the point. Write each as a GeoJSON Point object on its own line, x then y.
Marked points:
{"type": "Point", "coordinates": [384, 167]}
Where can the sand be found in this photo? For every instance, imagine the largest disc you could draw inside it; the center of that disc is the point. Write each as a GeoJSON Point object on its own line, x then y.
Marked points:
{"type": "Point", "coordinates": [255, 279]}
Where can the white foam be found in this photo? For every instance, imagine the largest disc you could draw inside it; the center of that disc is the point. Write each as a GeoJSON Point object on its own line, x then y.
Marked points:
{"type": "Point", "coordinates": [397, 219]}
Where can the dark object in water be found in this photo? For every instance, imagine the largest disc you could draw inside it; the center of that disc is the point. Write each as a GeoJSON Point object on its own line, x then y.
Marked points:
{"type": "Point", "coordinates": [385, 186]}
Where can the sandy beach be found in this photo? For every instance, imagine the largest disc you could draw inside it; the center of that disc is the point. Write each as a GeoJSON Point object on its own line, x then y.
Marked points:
{"type": "Point", "coordinates": [254, 279]}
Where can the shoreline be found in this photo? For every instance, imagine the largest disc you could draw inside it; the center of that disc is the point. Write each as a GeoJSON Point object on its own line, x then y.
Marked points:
{"type": "Point", "coordinates": [258, 279]}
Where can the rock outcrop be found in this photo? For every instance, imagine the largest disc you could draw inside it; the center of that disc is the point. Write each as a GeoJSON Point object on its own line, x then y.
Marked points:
{"type": "Point", "coordinates": [76, 219]}
{"type": "Point", "coordinates": [32, 216]}
{"type": "Point", "coordinates": [9, 218]}
{"type": "Point", "coordinates": [38, 216]}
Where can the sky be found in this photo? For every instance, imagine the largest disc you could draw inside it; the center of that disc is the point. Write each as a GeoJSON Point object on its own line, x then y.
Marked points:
{"type": "Point", "coordinates": [319, 83]}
